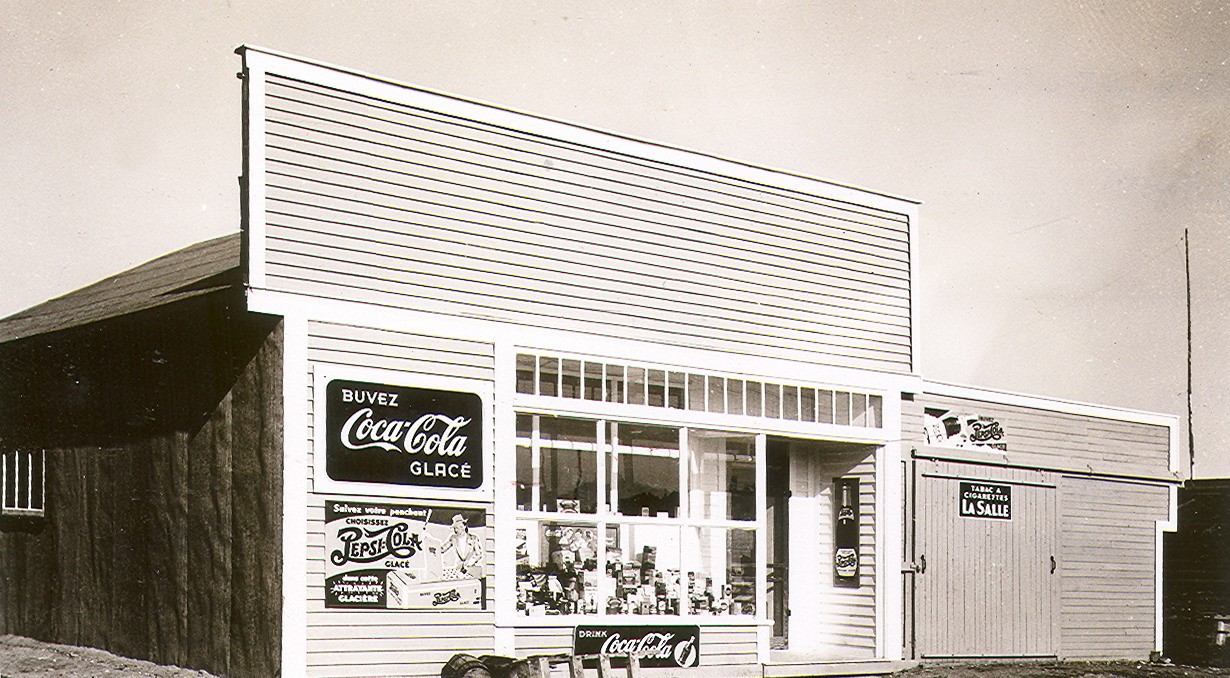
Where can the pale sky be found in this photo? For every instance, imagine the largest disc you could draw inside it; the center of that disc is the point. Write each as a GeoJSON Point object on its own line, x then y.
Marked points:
{"type": "Point", "coordinates": [1059, 149]}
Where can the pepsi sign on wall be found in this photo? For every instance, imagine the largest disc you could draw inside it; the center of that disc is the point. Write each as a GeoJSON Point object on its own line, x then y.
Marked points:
{"type": "Point", "coordinates": [400, 435]}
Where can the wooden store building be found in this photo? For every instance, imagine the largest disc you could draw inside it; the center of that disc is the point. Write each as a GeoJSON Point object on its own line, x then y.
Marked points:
{"type": "Point", "coordinates": [474, 381]}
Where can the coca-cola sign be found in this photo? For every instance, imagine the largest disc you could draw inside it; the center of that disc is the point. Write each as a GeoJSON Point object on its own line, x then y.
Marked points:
{"type": "Point", "coordinates": [380, 433]}
{"type": "Point", "coordinates": [656, 646]}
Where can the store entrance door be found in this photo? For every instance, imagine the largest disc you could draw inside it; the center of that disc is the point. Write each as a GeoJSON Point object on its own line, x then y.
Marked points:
{"type": "Point", "coordinates": [984, 554]}
{"type": "Point", "coordinates": [778, 523]}
{"type": "Point", "coordinates": [820, 594]}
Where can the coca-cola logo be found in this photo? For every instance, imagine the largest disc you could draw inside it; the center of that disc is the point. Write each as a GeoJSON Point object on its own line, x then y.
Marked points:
{"type": "Point", "coordinates": [384, 433]}
{"type": "Point", "coordinates": [429, 434]}
{"type": "Point", "coordinates": [654, 646]}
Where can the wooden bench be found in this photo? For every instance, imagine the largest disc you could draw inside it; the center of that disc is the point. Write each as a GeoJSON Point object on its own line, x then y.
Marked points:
{"type": "Point", "coordinates": [576, 665]}
{"type": "Point", "coordinates": [534, 666]}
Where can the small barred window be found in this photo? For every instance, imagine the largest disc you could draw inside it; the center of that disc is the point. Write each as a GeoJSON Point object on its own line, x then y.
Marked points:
{"type": "Point", "coordinates": [23, 492]}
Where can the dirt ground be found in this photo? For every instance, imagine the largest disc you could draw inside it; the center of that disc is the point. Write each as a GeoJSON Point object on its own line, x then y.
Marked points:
{"type": "Point", "coordinates": [24, 657]}
{"type": "Point", "coordinates": [1059, 670]}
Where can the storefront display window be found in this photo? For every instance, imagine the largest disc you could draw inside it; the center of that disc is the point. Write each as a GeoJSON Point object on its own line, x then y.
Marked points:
{"type": "Point", "coordinates": [675, 509]}
{"type": "Point", "coordinates": [723, 471]}
{"type": "Point", "coordinates": [557, 567]}
{"type": "Point", "coordinates": [646, 459]}
{"type": "Point", "coordinates": [721, 578]}
{"type": "Point", "coordinates": [563, 475]}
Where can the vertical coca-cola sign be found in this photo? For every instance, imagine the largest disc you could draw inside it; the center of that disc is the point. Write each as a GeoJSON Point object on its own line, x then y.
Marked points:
{"type": "Point", "coordinates": [402, 435]}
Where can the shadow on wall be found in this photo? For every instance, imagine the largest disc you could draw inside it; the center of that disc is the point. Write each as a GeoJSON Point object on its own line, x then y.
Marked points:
{"type": "Point", "coordinates": [1196, 595]}
{"type": "Point", "coordinates": [161, 535]}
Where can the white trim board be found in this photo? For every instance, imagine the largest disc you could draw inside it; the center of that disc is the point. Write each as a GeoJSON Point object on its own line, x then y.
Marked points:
{"type": "Point", "coordinates": [254, 169]}
{"type": "Point", "coordinates": [294, 496]}
{"type": "Point", "coordinates": [1046, 403]}
{"type": "Point", "coordinates": [598, 347]}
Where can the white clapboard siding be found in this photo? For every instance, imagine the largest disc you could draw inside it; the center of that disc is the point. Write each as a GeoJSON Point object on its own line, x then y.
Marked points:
{"type": "Point", "coordinates": [344, 643]}
{"type": "Point", "coordinates": [1058, 440]}
{"type": "Point", "coordinates": [847, 616]}
{"type": "Point", "coordinates": [375, 201]}
{"type": "Point", "coordinates": [351, 345]}
{"type": "Point", "coordinates": [1108, 560]}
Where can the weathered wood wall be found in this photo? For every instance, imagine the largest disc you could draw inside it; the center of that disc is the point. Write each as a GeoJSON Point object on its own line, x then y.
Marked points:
{"type": "Point", "coordinates": [1197, 574]}
{"type": "Point", "coordinates": [162, 536]}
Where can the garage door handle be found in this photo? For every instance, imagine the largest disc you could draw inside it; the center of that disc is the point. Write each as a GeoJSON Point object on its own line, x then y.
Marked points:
{"type": "Point", "coordinates": [1052, 564]}
{"type": "Point", "coordinates": [922, 564]}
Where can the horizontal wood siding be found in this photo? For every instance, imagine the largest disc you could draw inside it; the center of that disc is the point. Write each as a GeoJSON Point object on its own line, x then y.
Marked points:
{"type": "Point", "coordinates": [393, 643]}
{"type": "Point", "coordinates": [380, 202]}
{"type": "Point", "coordinates": [848, 615]}
{"type": "Point", "coordinates": [1108, 539]}
{"type": "Point", "coordinates": [1057, 440]}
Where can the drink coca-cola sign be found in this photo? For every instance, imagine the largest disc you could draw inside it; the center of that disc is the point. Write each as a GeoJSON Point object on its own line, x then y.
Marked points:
{"type": "Point", "coordinates": [400, 435]}
{"type": "Point", "coordinates": [656, 646]}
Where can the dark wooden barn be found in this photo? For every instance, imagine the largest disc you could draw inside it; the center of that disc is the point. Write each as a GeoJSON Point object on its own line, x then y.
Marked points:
{"type": "Point", "coordinates": [142, 437]}
{"type": "Point", "coordinates": [1197, 576]}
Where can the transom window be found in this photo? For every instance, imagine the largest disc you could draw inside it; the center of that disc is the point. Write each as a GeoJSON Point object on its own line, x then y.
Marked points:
{"type": "Point", "coordinates": [622, 518]}
{"type": "Point", "coordinates": [22, 485]}
{"type": "Point", "coordinates": [552, 376]}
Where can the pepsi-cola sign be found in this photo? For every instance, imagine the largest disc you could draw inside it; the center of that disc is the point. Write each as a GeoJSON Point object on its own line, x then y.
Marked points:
{"type": "Point", "coordinates": [400, 435]}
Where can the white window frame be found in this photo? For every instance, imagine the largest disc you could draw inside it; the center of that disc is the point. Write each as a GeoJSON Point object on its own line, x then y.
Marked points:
{"type": "Point", "coordinates": [12, 469]}
{"type": "Point", "coordinates": [608, 515]}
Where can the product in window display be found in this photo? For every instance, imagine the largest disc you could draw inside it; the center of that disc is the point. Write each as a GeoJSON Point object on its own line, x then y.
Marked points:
{"type": "Point", "coordinates": [724, 603]}
{"type": "Point", "coordinates": [560, 586]}
{"type": "Point", "coordinates": [590, 596]}
{"type": "Point", "coordinates": [568, 505]}
{"type": "Point", "coordinates": [563, 560]}
{"type": "Point", "coordinates": [522, 547]}
{"type": "Point", "coordinates": [647, 602]}
{"type": "Point", "coordinates": [631, 580]}
{"type": "Point", "coordinates": [614, 562]}
{"type": "Point", "coordinates": [672, 591]}
{"type": "Point", "coordinates": [649, 557]}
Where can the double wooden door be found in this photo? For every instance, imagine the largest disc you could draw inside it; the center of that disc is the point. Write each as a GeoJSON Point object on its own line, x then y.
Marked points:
{"type": "Point", "coordinates": [985, 562]}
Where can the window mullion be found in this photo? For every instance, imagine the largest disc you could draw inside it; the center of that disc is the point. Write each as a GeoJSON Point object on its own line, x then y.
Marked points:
{"type": "Point", "coordinates": [685, 466]}
{"type": "Point", "coordinates": [29, 480]}
{"type": "Point", "coordinates": [600, 470]}
{"type": "Point", "coordinates": [535, 464]}
{"type": "Point", "coordinates": [614, 445]}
